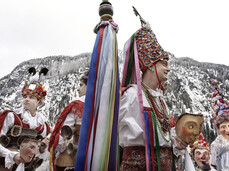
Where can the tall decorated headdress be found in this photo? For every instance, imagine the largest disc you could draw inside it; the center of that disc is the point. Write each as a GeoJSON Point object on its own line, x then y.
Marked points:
{"type": "Point", "coordinates": [199, 143]}
{"type": "Point", "coordinates": [220, 104]}
{"type": "Point", "coordinates": [98, 143]}
{"type": "Point", "coordinates": [141, 51]}
{"type": "Point", "coordinates": [34, 86]}
{"type": "Point", "coordinates": [142, 48]}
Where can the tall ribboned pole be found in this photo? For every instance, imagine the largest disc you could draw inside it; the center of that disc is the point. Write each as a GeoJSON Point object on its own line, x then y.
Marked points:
{"type": "Point", "coordinates": [98, 141]}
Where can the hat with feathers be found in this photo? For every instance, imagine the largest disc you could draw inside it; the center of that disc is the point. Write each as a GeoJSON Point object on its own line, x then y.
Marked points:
{"type": "Point", "coordinates": [34, 87]}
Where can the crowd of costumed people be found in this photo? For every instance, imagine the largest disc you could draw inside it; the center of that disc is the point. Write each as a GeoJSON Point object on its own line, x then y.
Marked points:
{"type": "Point", "coordinates": [114, 124]}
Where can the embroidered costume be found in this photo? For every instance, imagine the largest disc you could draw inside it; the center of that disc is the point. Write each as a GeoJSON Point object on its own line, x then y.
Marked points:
{"type": "Point", "coordinates": [145, 133]}
{"type": "Point", "coordinates": [131, 132]}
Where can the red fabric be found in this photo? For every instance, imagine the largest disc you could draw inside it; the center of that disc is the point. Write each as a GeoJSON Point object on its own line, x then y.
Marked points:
{"type": "Point", "coordinates": [172, 121]}
{"type": "Point", "coordinates": [93, 98]}
{"type": "Point", "coordinates": [123, 89]}
{"type": "Point", "coordinates": [48, 128]}
{"type": "Point", "coordinates": [75, 107]}
{"type": "Point", "coordinates": [2, 118]}
{"type": "Point", "coordinates": [134, 159]}
{"type": "Point", "coordinates": [18, 122]}
{"type": "Point", "coordinates": [147, 108]}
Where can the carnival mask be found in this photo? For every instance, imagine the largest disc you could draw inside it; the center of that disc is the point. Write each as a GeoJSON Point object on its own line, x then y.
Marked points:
{"type": "Point", "coordinates": [189, 126]}
{"type": "Point", "coordinates": [28, 149]}
{"type": "Point", "coordinates": [224, 129]}
{"type": "Point", "coordinates": [201, 157]}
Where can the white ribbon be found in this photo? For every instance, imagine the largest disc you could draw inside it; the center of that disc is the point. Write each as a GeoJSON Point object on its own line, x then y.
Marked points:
{"type": "Point", "coordinates": [21, 167]}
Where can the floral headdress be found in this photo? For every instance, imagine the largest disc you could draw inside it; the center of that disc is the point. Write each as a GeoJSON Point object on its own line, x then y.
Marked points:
{"type": "Point", "coordinates": [34, 87]}
{"type": "Point", "coordinates": [199, 143]}
{"type": "Point", "coordinates": [220, 104]}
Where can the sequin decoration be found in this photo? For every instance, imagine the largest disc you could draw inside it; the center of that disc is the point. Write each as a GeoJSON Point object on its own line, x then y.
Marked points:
{"type": "Point", "coordinates": [149, 50]}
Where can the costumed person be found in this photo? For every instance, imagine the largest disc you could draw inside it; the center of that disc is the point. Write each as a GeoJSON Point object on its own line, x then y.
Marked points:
{"type": "Point", "coordinates": [220, 146]}
{"type": "Point", "coordinates": [188, 127]}
{"type": "Point", "coordinates": [200, 154]}
{"type": "Point", "coordinates": [23, 127]}
{"type": "Point", "coordinates": [144, 121]}
{"type": "Point", "coordinates": [64, 140]}
{"type": "Point", "coordinates": [98, 141]}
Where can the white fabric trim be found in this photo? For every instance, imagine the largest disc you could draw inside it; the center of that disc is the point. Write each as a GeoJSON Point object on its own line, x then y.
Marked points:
{"type": "Point", "coordinates": [32, 121]}
{"type": "Point", "coordinates": [9, 155]}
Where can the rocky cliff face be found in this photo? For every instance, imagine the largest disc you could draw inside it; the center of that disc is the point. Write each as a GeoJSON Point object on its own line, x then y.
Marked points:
{"type": "Point", "coordinates": [188, 88]}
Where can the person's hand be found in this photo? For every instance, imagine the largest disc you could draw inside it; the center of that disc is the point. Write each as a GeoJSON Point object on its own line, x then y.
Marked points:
{"type": "Point", "coordinates": [46, 140]}
{"type": "Point", "coordinates": [17, 159]}
{"type": "Point", "coordinates": [44, 144]}
{"type": "Point", "coordinates": [181, 145]}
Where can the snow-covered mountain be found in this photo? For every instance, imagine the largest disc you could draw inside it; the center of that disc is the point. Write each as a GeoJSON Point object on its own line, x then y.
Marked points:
{"type": "Point", "coordinates": [188, 88]}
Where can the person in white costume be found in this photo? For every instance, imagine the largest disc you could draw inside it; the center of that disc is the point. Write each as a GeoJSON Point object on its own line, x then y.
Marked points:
{"type": "Point", "coordinates": [154, 134]}
{"type": "Point", "coordinates": [24, 125]}
{"type": "Point", "coordinates": [220, 146]}
{"type": "Point", "coordinates": [64, 139]}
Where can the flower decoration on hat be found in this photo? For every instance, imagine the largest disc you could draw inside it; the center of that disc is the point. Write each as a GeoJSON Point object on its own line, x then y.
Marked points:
{"type": "Point", "coordinates": [34, 87]}
{"type": "Point", "coordinates": [199, 143]}
{"type": "Point", "coordinates": [149, 50]}
{"type": "Point", "coordinates": [220, 104]}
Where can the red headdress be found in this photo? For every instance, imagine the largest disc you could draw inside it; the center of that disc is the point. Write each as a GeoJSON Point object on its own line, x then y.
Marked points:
{"type": "Point", "coordinates": [199, 143]}
{"type": "Point", "coordinates": [34, 87]}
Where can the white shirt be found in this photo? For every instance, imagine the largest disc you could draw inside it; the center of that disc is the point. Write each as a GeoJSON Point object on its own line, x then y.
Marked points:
{"type": "Point", "coordinates": [27, 118]}
{"type": "Point", "coordinates": [130, 122]}
{"type": "Point", "coordinates": [220, 153]}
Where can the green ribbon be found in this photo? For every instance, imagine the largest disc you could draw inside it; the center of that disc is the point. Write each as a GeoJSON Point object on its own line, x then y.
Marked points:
{"type": "Point", "coordinates": [130, 62]}
{"type": "Point", "coordinates": [157, 141]}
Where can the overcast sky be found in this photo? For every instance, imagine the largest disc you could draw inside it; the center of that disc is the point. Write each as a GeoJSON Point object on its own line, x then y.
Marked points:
{"type": "Point", "coordinates": [39, 28]}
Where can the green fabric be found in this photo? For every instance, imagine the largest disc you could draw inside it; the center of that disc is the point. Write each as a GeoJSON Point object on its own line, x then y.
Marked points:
{"type": "Point", "coordinates": [109, 125]}
{"type": "Point", "coordinates": [130, 62]}
{"type": "Point", "coordinates": [157, 141]}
